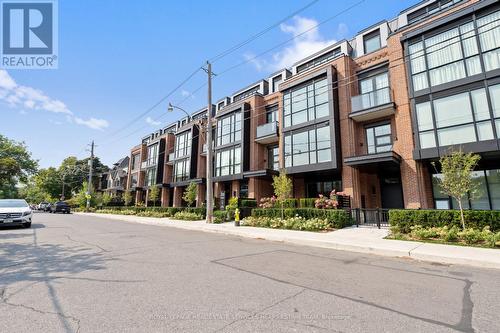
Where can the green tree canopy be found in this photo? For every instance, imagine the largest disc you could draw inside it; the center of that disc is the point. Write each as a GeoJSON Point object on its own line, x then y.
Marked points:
{"type": "Point", "coordinates": [16, 165]}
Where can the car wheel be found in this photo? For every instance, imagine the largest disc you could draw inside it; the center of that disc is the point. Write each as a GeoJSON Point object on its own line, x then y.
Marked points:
{"type": "Point", "coordinates": [27, 225]}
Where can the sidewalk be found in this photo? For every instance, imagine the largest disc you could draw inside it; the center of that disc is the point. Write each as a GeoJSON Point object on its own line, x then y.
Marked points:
{"type": "Point", "coordinates": [363, 240]}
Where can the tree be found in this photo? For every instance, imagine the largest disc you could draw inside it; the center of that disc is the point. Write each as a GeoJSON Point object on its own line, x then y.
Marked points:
{"type": "Point", "coordinates": [16, 165]}
{"type": "Point", "coordinates": [282, 185]}
{"type": "Point", "coordinates": [127, 198]}
{"type": "Point", "coordinates": [49, 181]}
{"type": "Point", "coordinates": [106, 199]}
{"type": "Point", "coordinates": [33, 194]}
{"type": "Point", "coordinates": [457, 180]}
{"type": "Point", "coordinates": [153, 194]}
{"type": "Point", "coordinates": [190, 194]}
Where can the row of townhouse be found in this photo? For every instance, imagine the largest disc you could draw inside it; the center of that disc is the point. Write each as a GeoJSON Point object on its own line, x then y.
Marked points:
{"type": "Point", "coordinates": [365, 116]}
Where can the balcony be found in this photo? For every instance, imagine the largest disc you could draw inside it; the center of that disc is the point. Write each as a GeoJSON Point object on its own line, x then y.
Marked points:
{"type": "Point", "coordinates": [375, 159]}
{"type": "Point", "coordinates": [150, 162]}
{"type": "Point", "coordinates": [204, 149]}
{"type": "Point", "coordinates": [373, 105]}
{"type": "Point", "coordinates": [267, 133]}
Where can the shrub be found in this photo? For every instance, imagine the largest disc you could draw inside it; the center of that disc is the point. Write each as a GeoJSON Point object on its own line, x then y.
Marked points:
{"type": "Point", "coordinates": [185, 215]}
{"type": "Point", "coordinates": [252, 203]}
{"type": "Point", "coordinates": [289, 203]}
{"type": "Point", "coordinates": [476, 219]}
{"type": "Point", "coordinates": [220, 216]}
{"type": "Point", "coordinates": [327, 203]}
{"type": "Point", "coordinates": [292, 223]}
{"type": "Point", "coordinates": [152, 213]}
{"type": "Point", "coordinates": [307, 202]}
{"type": "Point", "coordinates": [470, 236]}
{"type": "Point", "coordinates": [267, 202]}
{"type": "Point", "coordinates": [233, 203]}
{"type": "Point", "coordinates": [337, 218]}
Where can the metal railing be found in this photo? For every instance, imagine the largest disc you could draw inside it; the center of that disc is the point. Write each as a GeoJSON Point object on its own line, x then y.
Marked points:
{"type": "Point", "coordinates": [371, 99]}
{"type": "Point", "coordinates": [267, 129]}
{"type": "Point", "coordinates": [371, 216]}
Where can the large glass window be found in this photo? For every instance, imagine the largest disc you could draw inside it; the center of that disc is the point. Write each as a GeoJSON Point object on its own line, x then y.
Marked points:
{"type": "Point", "coordinates": [272, 114]}
{"type": "Point", "coordinates": [454, 54]}
{"type": "Point", "coordinates": [152, 155]}
{"type": "Point", "coordinates": [229, 129]}
{"type": "Point", "coordinates": [378, 138]}
{"type": "Point", "coordinates": [308, 147]}
{"type": "Point", "coordinates": [136, 161]}
{"type": "Point", "coordinates": [487, 195]}
{"type": "Point", "coordinates": [228, 162]}
{"type": "Point", "coordinates": [372, 41]}
{"type": "Point", "coordinates": [181, 170]}
{"type": "Point", "coordinates": [183, 144]}
{"type": "Point", "coordinates": [374, 91]}
{"type": "Point", "coordinates": [306, 102]}
{"type": "Point", "coordinates": [457, 119]}
{"type": "Point", "coordinates": [133, 180]}
{"type": "Point", "coordinates": [273, 158]}
{"type": "Point", "coordinates": [151, 177]}
{"type": "Point", "coordinates": [489, 38]}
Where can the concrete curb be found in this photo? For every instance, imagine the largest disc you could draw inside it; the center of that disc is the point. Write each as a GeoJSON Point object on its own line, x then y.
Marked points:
{"type": "Point", "coordinates": [370, 242]}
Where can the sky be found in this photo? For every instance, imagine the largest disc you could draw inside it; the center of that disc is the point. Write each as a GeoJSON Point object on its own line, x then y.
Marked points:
{"type": "Point", "coordinates": [118, 59]}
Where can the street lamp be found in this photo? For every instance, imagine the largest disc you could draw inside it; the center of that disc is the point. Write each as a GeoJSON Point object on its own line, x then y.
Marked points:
{"type": "Point", "coordinates": [172, 107]}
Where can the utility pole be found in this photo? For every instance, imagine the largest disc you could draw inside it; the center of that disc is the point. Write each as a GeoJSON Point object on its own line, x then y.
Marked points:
{"type": "Point", "coordinates": [210, 190]}
{"type": "Point", "coordinates": [62, 194]}
{"type": "Point", "coordinates": [89, 185]}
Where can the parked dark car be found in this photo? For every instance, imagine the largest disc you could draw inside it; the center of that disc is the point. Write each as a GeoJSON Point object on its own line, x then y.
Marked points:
{"type": "Point", "coordinates": [60, 207]}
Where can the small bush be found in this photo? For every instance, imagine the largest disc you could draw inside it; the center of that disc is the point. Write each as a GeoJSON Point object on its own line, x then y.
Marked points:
{"type": "Point", "coordinates": [293, 223]}
{"type": "Point", "coordinates": [220, 216]}
{"type": "Point", "coordinates": [338, 218]}
{"type": "Point", "coordinates": [470, 236]}
{"type": "Point", "coordinates": [252, 203]}
{"type": "Point", "coordinates": [476, 219]}
{"type": "Point", "coordinates": [187, 216]}
{"type": "Point", "coordinates": [307, 202]}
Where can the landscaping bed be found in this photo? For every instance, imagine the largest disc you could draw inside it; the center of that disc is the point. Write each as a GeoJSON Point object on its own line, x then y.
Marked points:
{"type": "Point", "coordinates": [444, 227]}
{"type": "Point", "coordinates": [175, 213]}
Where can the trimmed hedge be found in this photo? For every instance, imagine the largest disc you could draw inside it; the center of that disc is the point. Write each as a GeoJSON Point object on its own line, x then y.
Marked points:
{"type": "Point", "coordinates": [477, 219]}
{"type": "Point", "coordinates": [252, 203]}
{"type": "Point", "coordinates": [307, 202]}
{"type": "Point", "coordinates": [169, 211]}
{"type": "Point", "coordinates": [338, 218]}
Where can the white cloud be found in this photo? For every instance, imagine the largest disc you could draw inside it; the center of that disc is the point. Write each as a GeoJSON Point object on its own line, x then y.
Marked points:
{"type": "Point", "coordinates": [186, 93]}
{"type": "Point", "coordinates": [19, 96]}
{"type": "Point", "coordinates": [152, 122]}
{"type": "Point", "coordinates": [97, 124]}
{"type": "Point", "coordinates": [259, 64]}
{"type": "Point", "coordinates": [307, 40]}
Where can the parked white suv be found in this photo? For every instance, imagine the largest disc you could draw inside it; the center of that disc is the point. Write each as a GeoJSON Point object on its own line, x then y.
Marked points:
{"type": "Point", "coordinates": [15, 212]}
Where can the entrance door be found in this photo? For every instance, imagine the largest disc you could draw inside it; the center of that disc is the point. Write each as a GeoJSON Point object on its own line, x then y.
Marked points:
{"type": "Point", "coordinates": [391, 190]}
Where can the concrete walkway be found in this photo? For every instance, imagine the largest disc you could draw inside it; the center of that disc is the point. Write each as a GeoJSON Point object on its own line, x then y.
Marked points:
{"type": "Point", "coordinates": [363, 240]}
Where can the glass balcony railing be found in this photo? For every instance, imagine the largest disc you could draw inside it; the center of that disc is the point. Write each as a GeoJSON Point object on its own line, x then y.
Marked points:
{"type": "Point", "coordinates": [149, 163]}
{"type": "Point", "coordinates": [371, 99]}
{"type": "Point", "coordinates": [269, 129]}
{"type": "Point", "coordinates": [171, 157]}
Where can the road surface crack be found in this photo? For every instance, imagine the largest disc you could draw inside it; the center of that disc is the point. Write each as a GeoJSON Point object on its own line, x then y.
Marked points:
{"type": "Point", "coordinates": [5, 301]}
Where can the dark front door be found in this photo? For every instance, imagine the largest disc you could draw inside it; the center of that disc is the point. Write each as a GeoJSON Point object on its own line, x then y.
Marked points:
{"type": "Point", "coordinates": [391, 190]}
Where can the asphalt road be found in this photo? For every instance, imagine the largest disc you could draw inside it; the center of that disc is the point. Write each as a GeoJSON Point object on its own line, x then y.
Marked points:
{"type": "Point", "coordinates": [75, 273]}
